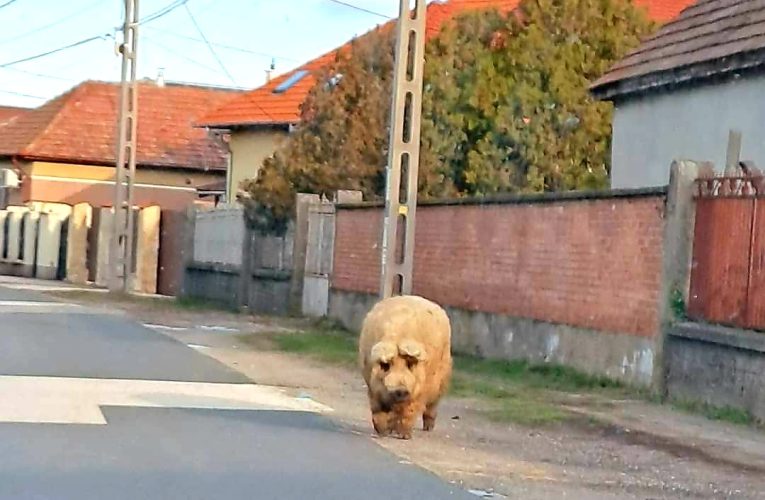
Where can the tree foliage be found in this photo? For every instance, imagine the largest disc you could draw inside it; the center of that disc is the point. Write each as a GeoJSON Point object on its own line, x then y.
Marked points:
{"type": "Point", "coordinates": [506, 107]}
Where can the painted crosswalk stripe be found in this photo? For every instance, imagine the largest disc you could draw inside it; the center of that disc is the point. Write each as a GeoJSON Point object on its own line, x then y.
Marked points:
{"type": "Point", "coordinates": [61, 400]}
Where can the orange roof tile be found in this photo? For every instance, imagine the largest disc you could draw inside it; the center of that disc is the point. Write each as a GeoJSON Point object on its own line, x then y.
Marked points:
{"type": "Point", "coordinates": [264, 107]}
{"type": "Point", "coordinates": [8, 113]}
{"type": "Point", "coordinates": [80, 126]}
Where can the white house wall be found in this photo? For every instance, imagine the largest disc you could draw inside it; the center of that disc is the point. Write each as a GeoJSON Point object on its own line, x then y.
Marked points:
{"type": "Point", "coordinates": [691, 123]}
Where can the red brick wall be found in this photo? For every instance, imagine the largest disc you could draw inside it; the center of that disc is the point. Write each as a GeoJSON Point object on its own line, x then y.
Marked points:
{"type": "Point", "coordinates": [587, 263]}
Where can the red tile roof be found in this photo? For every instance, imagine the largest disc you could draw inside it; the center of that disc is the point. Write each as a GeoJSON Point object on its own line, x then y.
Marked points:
{"type": "Point", "coordinates": [80, 126]}
{"type": "Point", "coordinates": [708, 38]}
{"type": "Point", "coordinates": [264, 107]}
{"type": "Point", "coordinates": [8, 113]}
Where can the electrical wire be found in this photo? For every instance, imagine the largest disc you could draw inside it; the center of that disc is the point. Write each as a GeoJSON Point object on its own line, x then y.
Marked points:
{"type": "Point", "coordinates": [41, 75]}
{"type": "Point", "coordinates": [167, 49]}
{"type": "Point", "coordinates": [360, 9]}
{"type": "Point", "coordinates": [54, 51]}
{"type": "Point", "coordinates": [209, 46]}
{"type": "Point", "coordinates": [21, 94]}
{"type": "Point", "coordinates": [54, 23]}
{"type": "Point", "coordinates": [6, 4]}
{"type": "Point", "coordinates": [222, 45]}
{"type": "Point", "coordinates": [162, 12]}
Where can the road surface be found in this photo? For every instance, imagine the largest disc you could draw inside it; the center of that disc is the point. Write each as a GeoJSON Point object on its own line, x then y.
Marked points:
{"type": "Point", "coordinates": [95, 406]}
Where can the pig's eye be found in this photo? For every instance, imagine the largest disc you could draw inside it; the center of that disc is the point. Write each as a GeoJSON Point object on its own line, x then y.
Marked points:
{"type": "Point", "coordinates": [411, 363]}
{"type": "Point", "coordinates": [385, 366]}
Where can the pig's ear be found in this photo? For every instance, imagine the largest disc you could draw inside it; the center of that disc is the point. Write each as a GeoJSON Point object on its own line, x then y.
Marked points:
{"type": "Point", "coordinates": [383, 352]}
{"type": "Point", "coordinates": [412, 349]}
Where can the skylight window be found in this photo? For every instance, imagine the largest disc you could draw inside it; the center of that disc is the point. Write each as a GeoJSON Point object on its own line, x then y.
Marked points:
{"type": "Point", "coordinates": [289, 82]}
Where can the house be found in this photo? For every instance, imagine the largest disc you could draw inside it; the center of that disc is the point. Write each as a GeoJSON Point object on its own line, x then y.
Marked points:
{"type": "Point", "coordinates": [64, 151]}
{"type": "Point", "coordinates": [681, 92]}
{"type": "Point", "coordinates": [259, 120]}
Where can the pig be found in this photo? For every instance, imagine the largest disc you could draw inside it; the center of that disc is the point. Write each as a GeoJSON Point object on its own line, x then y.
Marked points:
{"type": "Point", "coordinates": [406, 362]}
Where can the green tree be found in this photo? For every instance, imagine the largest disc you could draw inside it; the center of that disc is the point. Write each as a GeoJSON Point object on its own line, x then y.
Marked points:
{"type": "Point", "coordinates": [506, 102]}
{"type": "Point", "coordinates": [341, 142]}
{"type": "Point", "coordinates": [506, 108]}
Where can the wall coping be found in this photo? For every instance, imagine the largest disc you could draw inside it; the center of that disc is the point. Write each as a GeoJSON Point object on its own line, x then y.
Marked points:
{"type": "Point", "coordinates": [721, 335]}
{"type": "Point", "coordinates": [520, 199]}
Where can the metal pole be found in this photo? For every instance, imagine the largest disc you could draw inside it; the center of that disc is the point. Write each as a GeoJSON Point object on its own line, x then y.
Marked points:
{"type": "Point", "coordinates": [404, 151]}
{"type": "Point", "coordinates": [121, 251]}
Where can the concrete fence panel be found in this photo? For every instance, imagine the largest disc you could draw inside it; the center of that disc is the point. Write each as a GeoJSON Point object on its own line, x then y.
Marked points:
{"type": "Point", "coordinates": [147, 250]}
{"type": "Point", "coordinates": [49, 245]}
{"type": "Point", "coordinates": [219, 236]}
{"type": "Point", "coordinates": [78, 226]}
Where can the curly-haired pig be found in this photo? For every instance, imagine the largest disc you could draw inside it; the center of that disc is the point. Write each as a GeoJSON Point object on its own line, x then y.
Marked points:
{"type": "Point", "coordinates": [405, 357]}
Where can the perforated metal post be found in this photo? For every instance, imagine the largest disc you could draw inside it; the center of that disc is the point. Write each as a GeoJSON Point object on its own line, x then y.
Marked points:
{"type": "Point", "coordinates": [404, 151]}
{"type": "Point", "coordinates": [121, 251]}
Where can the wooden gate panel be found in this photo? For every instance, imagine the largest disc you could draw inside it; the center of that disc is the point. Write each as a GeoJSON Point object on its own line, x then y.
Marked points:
{"type": "Point", "coordinates": [172, 237]}
{"type": "Point", "coordinates": [755, 317]}
{"type": "Point", "coordinates": [720, 270]}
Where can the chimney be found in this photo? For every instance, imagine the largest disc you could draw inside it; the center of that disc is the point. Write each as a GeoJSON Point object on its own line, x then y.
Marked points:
{"type": "Point", "coordinates": [161, 77]}
{"type": "Point", "coordinates": [270, 70]}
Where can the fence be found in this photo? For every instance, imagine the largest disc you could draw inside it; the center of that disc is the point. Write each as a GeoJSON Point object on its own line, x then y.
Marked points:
{"type": "Point", "coordinates": [237, 265]}
{"type": "Point", "coordinates": [58, 241]}
{"type": "Point", "coordinates": [728, 277]}
{"type": "Point", "coordinates": [583, 279]}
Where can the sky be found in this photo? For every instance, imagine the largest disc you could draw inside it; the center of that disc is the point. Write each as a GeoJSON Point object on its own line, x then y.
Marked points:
{"type": "Point", "coordinates": [245, 36]}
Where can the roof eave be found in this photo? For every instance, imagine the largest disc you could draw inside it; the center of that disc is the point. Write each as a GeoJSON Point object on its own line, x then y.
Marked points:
{"type": "Point", "coordinates": [110, 163]}
{"type": "Point", "coordinates": [650, 82]}
{"type": "Point", "coordinates": [244, 125]}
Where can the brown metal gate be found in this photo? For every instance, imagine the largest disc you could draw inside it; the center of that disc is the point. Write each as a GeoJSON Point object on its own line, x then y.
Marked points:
{"type": "Point", "coordinates": [728, 269]}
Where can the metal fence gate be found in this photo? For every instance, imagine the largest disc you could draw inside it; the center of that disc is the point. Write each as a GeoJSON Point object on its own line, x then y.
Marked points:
{"type": "Point", "coordinates": [728, 268]}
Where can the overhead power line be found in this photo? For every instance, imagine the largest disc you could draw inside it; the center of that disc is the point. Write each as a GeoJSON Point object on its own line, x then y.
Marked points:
{"type": "Point", "coordinates": [222, 45]}
{"type": "Point", "coordinates": [209, 46]}
{"type": "Point", "coordinates": [6, 4]}
{"type": "Point", "coordinates": [162, 12]}
{"type": "Point", "coordinates": [54, 23]}
{"type": "Point", "coordinates": [361, 9]}
{"type": "Point", "coordinates": [54, 51]}
{"type": "Point", "coordinates": [41, 75]}
{"type": "Point", "coordinates": [21, 94]}
{"type": "Point", "coordinates": [180, 55]}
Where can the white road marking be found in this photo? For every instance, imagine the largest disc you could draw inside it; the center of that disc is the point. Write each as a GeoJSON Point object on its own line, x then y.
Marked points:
{"type": "Point", "coordinates": [31, 303]}
{"type": "Point", "coordinates": [165, 327]}
{"type": "Point", "coordinates": [56, 400]}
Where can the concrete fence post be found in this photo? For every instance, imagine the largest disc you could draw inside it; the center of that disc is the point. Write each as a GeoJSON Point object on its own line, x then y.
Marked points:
{"type": "Point", "coordinates": [187, 252]}
{"type": "Point", "coordinates": [245, 266]}
{"type": "Point", "coordinates": [147, 250]}
{"type": "Point", "coordinates": [103, 219]}
{"type": "Point", "coordinates": [29, 248]}
{"type": "Point", "coordinates": [677, 255]}
{"type": "Point", "coordinates": [303, 202]}
{"type": "Point", "coordinates": [77, 244]}
{"type": "Point", "coordinates": [48, 246]}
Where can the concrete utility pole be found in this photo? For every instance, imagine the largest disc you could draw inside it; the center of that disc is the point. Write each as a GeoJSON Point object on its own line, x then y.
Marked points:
{"type": "Point", "coordinates": [121, 251]}
{"type": "Point", "coordinates": [404, 152]}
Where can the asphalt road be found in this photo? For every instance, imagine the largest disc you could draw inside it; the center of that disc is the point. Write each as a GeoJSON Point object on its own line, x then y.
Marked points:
{"type": "Point", "coordinates": [165, 452]}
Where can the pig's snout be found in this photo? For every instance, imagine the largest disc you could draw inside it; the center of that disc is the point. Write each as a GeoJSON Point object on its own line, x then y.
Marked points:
{"type": "Point", "coordinates": [400, 394]}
